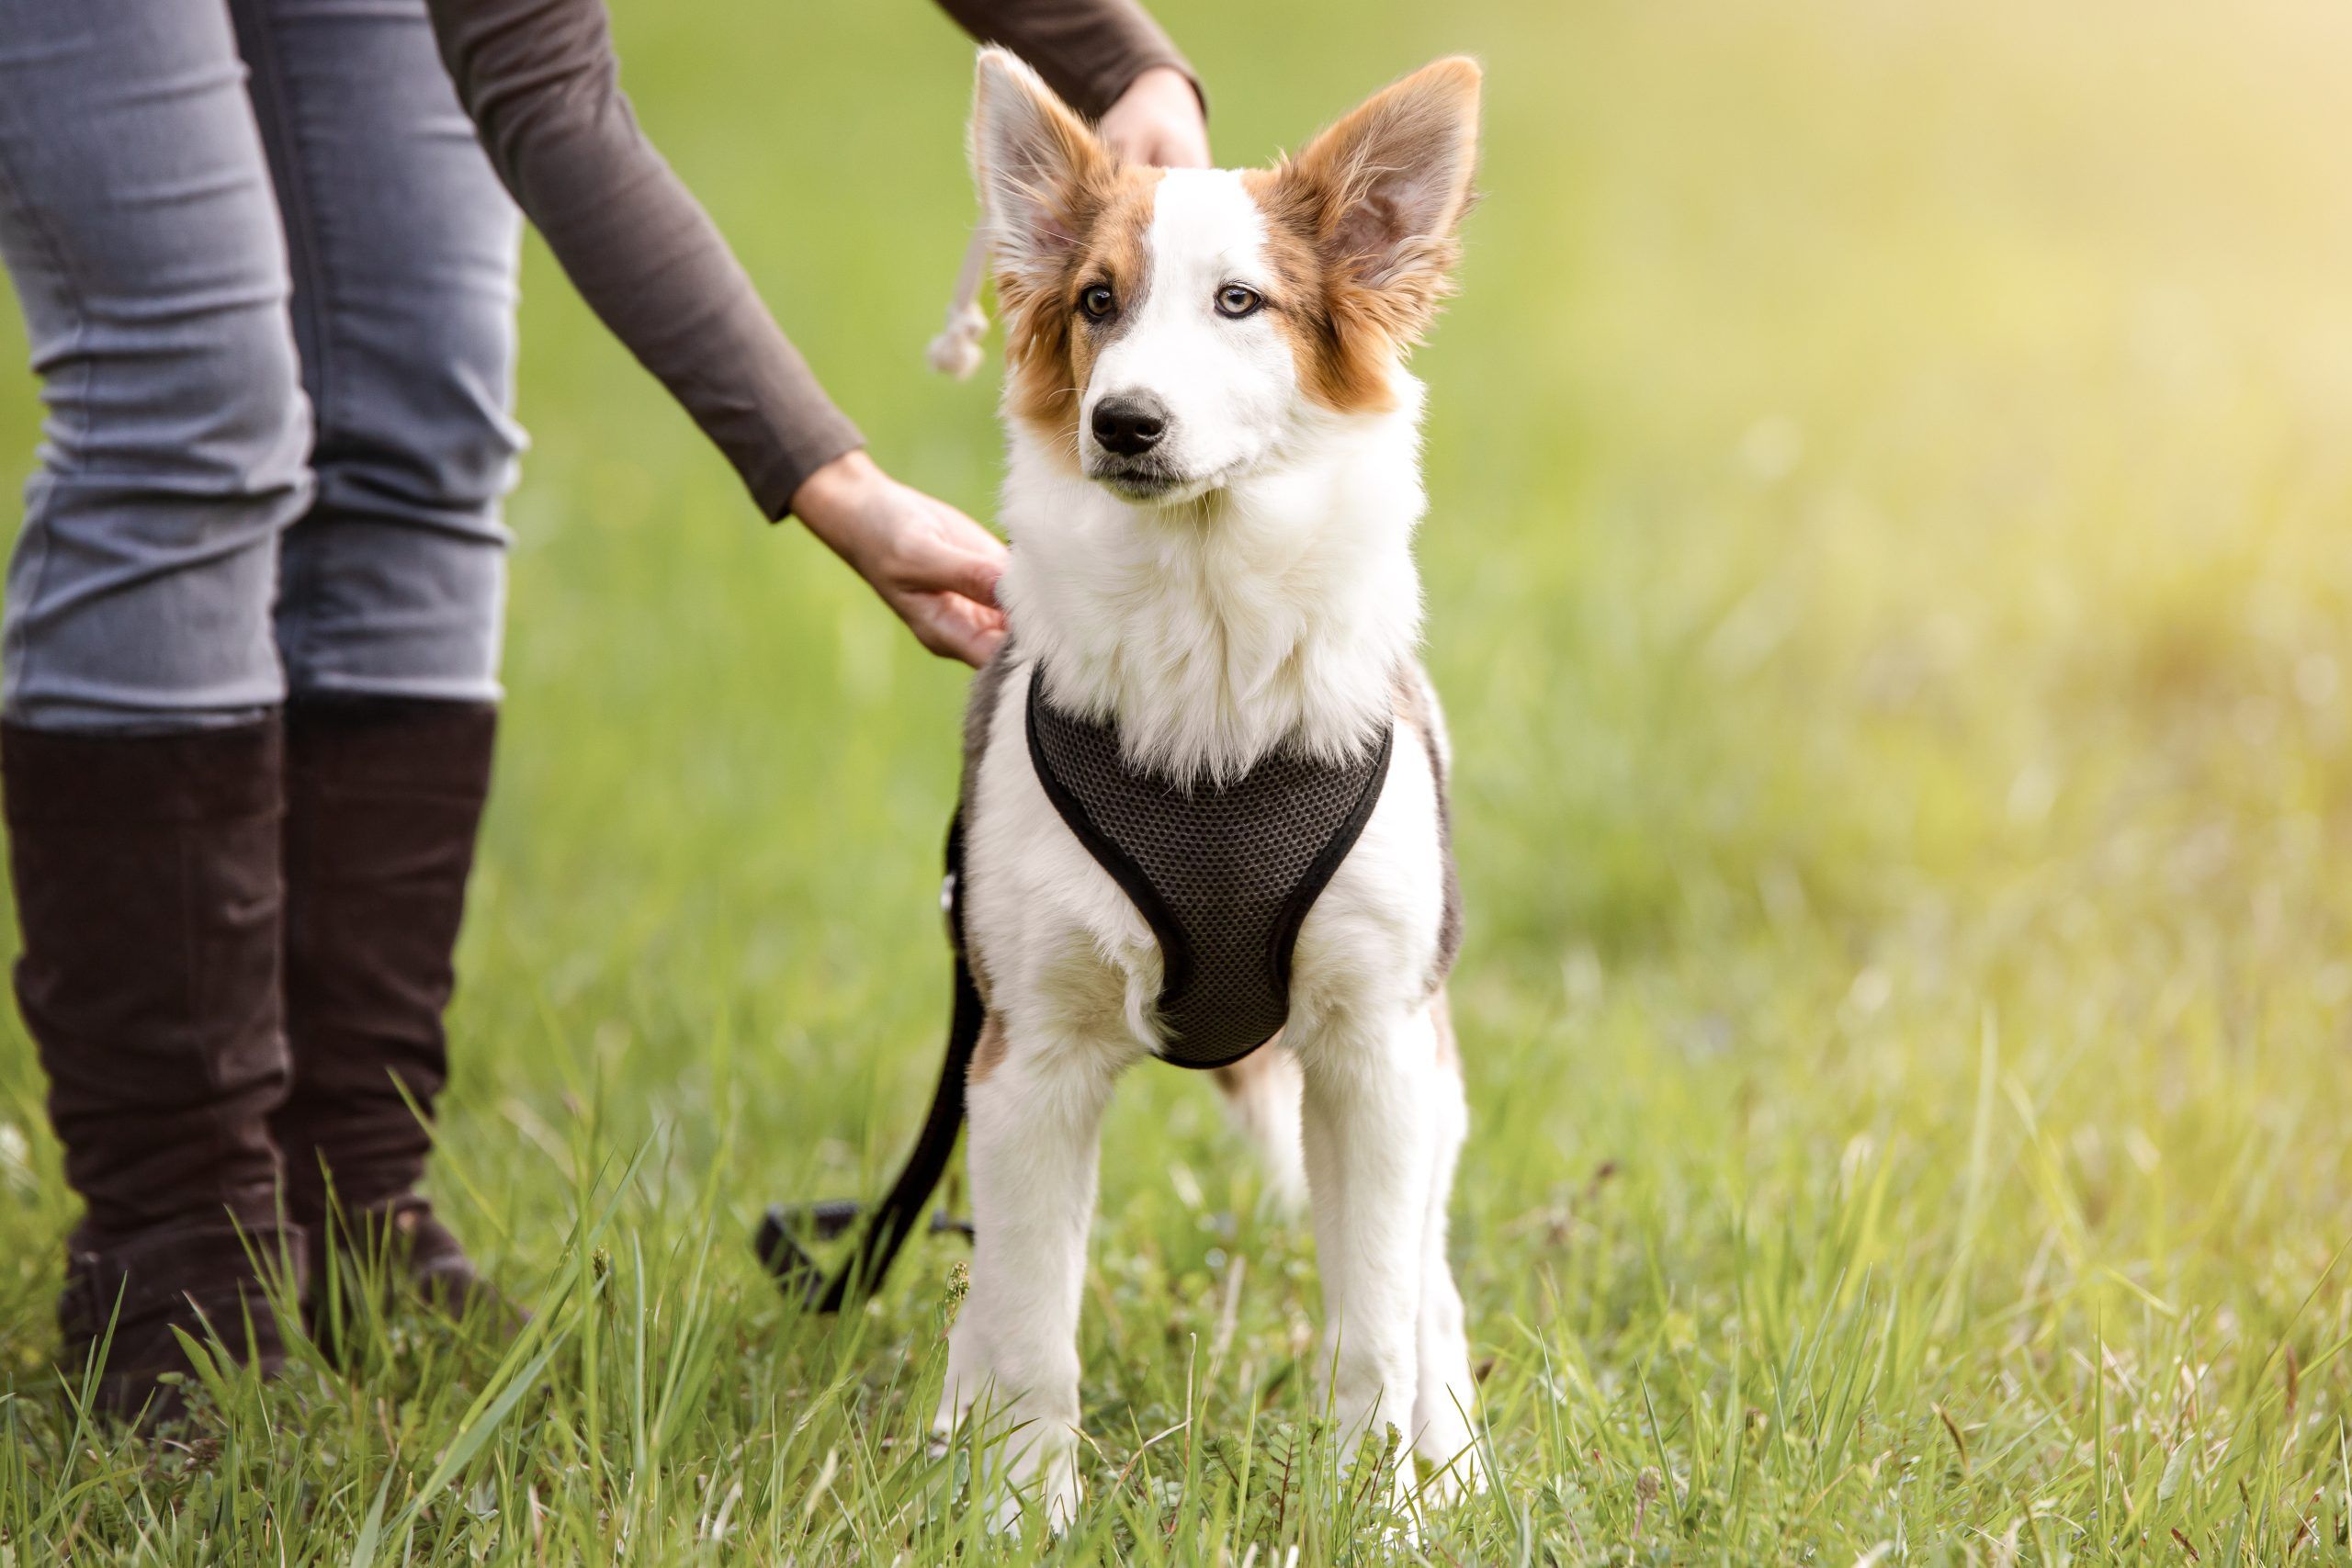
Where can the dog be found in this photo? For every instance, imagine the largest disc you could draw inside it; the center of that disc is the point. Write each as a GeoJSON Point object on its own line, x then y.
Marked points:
{"type": "Point", "coordinates": [1212, 492]}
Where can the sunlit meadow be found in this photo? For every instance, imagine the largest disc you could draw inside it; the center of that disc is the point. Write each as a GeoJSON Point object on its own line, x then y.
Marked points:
{"type": "Point", "coordinates": [1889, 568]}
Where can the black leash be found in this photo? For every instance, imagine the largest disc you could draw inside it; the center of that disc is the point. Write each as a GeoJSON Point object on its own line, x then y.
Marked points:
{"type": "Point", "coordinates": [894, 1219]}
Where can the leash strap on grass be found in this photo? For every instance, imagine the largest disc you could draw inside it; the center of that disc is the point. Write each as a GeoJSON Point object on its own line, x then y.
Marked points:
{"type": "Point", "coordinates": [895, 1217]}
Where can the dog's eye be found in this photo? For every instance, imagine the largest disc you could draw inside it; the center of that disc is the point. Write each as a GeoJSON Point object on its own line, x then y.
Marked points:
{"type": "Point", "coordinates": [1235, 300]}
{"type": "Point", "coordinates": [1098, 301]}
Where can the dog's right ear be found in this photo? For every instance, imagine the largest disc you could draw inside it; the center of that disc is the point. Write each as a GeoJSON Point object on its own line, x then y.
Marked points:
{"type": "Point", "coordinates": [1037, 164]}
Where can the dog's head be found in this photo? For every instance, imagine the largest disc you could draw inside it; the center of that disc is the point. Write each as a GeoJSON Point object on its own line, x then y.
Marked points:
{"type": "Point", "coordinates": [1172, 332]}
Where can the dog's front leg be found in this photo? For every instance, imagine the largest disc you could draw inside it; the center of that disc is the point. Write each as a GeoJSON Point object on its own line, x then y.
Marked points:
{"type": "Point", "coordinates": [1036, 1115]}
{"type": "Point", "coordinates": [1368, 1138]}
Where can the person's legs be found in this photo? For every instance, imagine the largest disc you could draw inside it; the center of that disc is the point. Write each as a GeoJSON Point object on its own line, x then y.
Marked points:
{"type": "Point", "coordinates": [140, 747]}
{"type": "Point", "coordinates": [403, 249]}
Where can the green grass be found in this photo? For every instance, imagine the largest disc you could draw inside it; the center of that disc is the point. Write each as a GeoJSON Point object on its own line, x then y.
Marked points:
{"type": "Point", "coordinates": [1890, 576]}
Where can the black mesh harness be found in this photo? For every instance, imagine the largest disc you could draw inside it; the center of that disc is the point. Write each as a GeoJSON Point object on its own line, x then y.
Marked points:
{"type": "Point", "coordinates": [1224, 876]}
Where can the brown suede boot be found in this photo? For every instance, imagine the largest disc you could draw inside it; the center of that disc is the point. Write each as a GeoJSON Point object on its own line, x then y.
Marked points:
{"type": "Point", "coordinates": [384, 799]}
{"type": "Point", "coordinates": [148, 895]}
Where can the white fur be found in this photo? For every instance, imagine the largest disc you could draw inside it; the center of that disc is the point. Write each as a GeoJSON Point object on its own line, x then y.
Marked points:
{"type": "Point", "coordinates": [1226, 382]}
{"type": "Point", "coordinates": [1277, 608]}
{"type": "Point", "coordinates": [1277, 604]}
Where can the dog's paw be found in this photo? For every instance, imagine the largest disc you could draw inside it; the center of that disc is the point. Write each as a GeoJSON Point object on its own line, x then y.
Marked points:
{"type": "Point", "coordinates": [1050, 1497]}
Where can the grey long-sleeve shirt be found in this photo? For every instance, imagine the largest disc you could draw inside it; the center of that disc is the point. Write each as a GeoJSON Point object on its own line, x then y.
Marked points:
{"type": "Point", "coordinates": [542, 83]}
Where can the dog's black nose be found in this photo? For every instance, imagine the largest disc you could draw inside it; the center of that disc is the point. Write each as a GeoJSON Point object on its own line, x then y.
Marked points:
{"type": "Point", "coordinates": [1129, 426]}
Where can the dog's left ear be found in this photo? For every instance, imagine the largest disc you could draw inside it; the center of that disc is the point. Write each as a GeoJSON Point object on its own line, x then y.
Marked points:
{"type": "Point", "coordinates": [1386, 188]}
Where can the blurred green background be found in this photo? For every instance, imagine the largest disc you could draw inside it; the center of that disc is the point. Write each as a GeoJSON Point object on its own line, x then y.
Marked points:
{"type": "Point", "coordinates": [1891, 471]}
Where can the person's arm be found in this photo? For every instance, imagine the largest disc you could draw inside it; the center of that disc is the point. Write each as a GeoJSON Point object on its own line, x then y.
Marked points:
{"type": "Point", "coordinates": [1092, 53]}
{"type": "Point", "coordinates": [541, 81]}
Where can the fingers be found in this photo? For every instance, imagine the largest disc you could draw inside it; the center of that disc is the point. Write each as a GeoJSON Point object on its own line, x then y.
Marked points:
{"type": "Point", "coordinates": [1168, 145]}
{"type": "Point", "coordinates": [960, 556]}
{"type": "Point", "coordinates": [955, 627]}
{"type": "Point", "coordinates": [1157, 120]}
{"type": "Point", "coordinates": [1181, 146]}
{"type": "Point", "coordinates": [980, 645]}
{"type": "Point", "coordinates": [961, 533]}
{"type": "Point", "coordinates": [976, 579]}
{"type": "Point", "coordinates": [933, 564]}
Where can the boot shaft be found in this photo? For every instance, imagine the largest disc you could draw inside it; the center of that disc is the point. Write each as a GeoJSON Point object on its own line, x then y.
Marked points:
{"type": "Point", "coordinates": [150, 899]}
{"type": "Point", "coordinates": [384, 803]}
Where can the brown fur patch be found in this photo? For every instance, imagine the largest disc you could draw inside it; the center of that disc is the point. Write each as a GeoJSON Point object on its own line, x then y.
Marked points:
{"type": "Point", "coordinates": [1051, 345]}
{"type": "Point", "coordinates": [1341, 365]}
{"type": "Point", "coordinates": [988, 1053]}
{"type": "Point", "coordinates": [1364, 271]}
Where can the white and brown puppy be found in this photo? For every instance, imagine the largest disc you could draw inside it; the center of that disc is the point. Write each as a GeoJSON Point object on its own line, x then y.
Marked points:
{"type": "Point", "coordinates": [1212, 490]}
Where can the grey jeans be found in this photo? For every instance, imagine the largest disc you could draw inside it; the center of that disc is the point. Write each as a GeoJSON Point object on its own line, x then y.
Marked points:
{"type": "Point", "coordinates": [269, 278]}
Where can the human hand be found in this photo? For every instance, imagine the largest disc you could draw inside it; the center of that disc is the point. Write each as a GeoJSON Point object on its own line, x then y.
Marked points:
{"type": "Point", "coordinates": [934, 567]}
{"type": "Point", "coordinates": [1157, 120]}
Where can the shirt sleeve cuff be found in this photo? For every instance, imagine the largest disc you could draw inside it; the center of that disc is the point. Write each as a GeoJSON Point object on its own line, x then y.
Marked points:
{"type": "Point", "coordinates": [815, 441]}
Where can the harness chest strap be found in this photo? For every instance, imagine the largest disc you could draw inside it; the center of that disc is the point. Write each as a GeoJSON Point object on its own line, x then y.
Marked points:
{"type": "Point", "coordinates": [1224, 874]}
